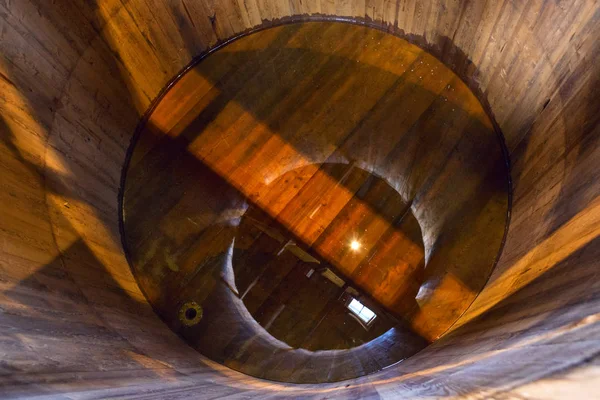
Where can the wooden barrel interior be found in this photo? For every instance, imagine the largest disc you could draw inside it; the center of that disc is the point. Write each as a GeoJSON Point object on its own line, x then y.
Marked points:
{"type": "Point", "coordinates": [509, 314]}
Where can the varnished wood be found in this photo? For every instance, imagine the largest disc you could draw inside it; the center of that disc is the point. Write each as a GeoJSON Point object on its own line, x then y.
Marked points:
{"type": "Point", "coordinates": [290, 121]}
{"type": "Point", "coordinates": [75, 77]}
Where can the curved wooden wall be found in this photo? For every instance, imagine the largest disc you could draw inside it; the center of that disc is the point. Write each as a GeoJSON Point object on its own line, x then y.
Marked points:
{"type": "Point", "coordinates": [76, 75]}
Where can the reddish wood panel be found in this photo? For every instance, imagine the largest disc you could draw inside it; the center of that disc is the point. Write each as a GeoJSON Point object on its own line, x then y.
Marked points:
{"type": "Point", "coordinates": [331, 134]}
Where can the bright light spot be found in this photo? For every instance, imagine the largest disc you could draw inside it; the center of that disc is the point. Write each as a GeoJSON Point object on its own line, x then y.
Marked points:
{"type": "Point", "coordinates": [361, 311]}
{"type": "Point", "coordinates": [355, 245]}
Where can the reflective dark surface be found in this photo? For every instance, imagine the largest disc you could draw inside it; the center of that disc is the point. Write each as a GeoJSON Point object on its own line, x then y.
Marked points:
{"type": "Point", "coordinates": [325, 294]}
{"type": "Point", "coordinates": [314, 197]}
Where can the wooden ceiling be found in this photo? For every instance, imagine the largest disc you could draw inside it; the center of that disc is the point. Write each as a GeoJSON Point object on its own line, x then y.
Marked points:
{"type": "Point", "coordinates": [344, 222]}
{"type": "Point", "coordinates": [334, 133]}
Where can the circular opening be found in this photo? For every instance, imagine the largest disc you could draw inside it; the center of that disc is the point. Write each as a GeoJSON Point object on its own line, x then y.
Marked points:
{"type": "Point", "coordinates": [347, 277]}
{"type": "Point", "coordinates": [288, 161]}
{"type": "Point", "coordinates": [190, 313]}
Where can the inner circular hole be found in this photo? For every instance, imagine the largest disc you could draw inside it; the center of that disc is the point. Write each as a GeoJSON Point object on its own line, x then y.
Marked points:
{"type": "Point", "coordinates": [332, 287]}
{"type": "Point", "coordinates": [190, 313]}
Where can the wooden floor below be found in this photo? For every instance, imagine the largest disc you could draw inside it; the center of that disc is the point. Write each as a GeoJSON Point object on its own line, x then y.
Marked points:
{"type": "Point", "coordinates": [300, 171]}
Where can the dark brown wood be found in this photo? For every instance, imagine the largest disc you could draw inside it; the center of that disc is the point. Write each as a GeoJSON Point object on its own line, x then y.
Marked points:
{"type": "Point", "coordinates": [75, 76]}
{"type": "Point", "coordinates": [279, 130]}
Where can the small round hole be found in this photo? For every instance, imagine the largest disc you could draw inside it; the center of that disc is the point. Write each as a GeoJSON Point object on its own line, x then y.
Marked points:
{"type": "Point", "coordinates": [190, 313]}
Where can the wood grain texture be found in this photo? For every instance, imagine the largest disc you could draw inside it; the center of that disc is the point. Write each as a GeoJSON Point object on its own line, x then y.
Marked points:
{"type": "Point", "coordinates": [74, 78]}
{"type": "Point", "coordinates": [288, 122]}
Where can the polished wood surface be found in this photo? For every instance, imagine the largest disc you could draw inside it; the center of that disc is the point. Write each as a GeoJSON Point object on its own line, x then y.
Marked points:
{"type": "Point", "coordinates": [273, 284]}
{"type": "Point", "coordinates": [75, 76]}
{"type": "Point", "coordinates": [335, 134]}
